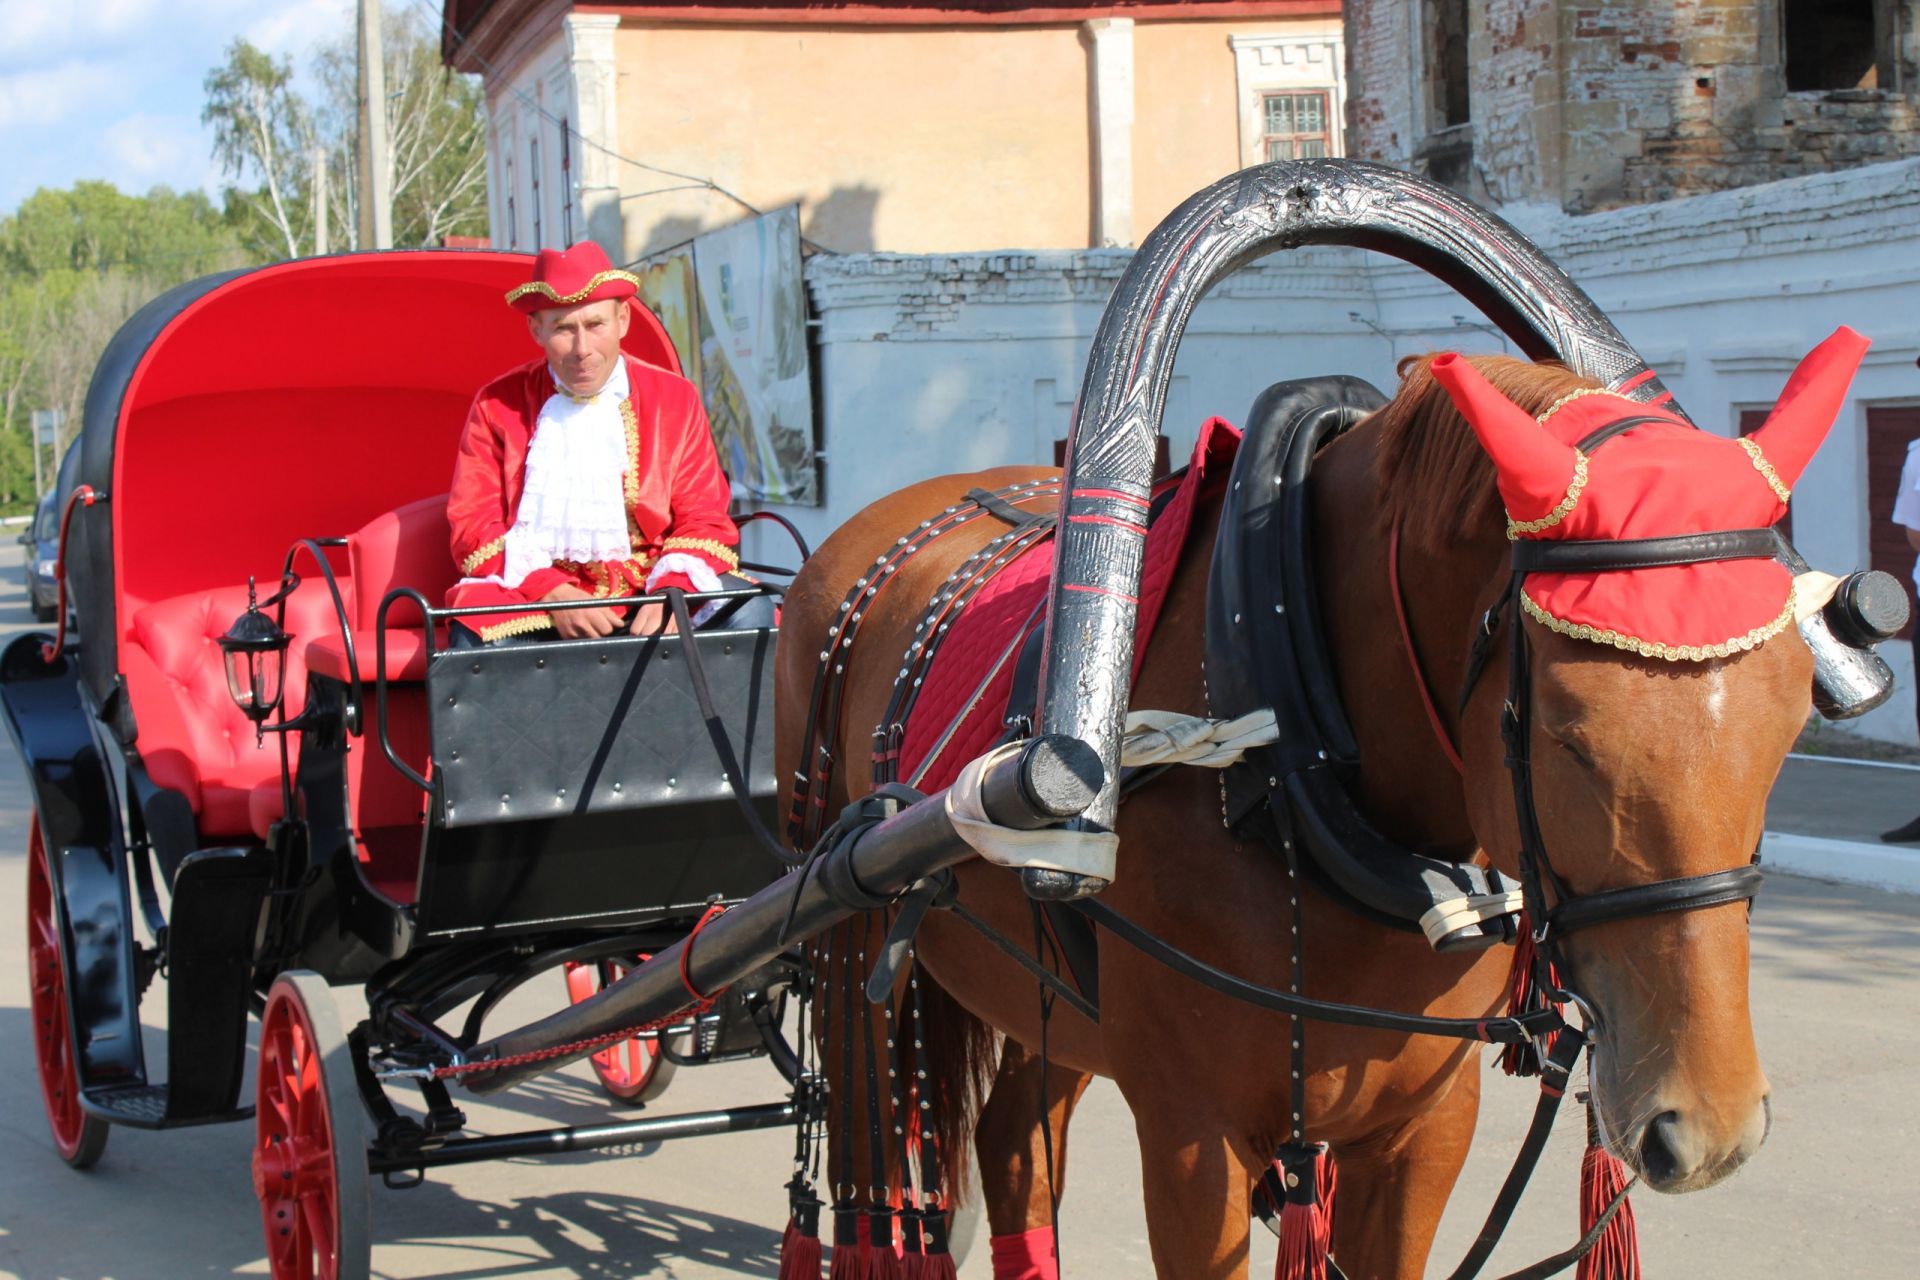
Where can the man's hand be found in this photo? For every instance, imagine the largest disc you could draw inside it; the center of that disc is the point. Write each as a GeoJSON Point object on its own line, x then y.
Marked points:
{"type": "Point", "coordinates": [580, 624]}
{"type": "Point", "coordinates": [653, 619]}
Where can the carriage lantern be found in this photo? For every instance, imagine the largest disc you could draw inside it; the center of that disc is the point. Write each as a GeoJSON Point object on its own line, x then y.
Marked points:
{"type": "Point", "coordinates": [255, 650]}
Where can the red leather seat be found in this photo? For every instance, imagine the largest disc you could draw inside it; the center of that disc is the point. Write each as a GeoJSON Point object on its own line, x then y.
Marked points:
{"type": "Point", "coordinates": [406, 547]}
{"type": "Point", "coordinates": [191, 736]}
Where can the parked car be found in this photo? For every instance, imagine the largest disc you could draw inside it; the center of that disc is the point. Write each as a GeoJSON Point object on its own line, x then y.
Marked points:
{"type": "Point", "coordinates": [42, 541]}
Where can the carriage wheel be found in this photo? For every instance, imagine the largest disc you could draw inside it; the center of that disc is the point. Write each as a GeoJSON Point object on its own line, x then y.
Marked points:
{"type": "Point", "coordinates": [78, 1137]}
{"type": "Point", "coordinates": [630, 1070]}
{"type": "Point", "coordinates": [310, 1139]}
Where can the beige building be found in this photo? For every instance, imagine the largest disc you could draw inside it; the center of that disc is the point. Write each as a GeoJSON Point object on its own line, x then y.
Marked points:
{"type": "Point", "coordinates": [908, 127]}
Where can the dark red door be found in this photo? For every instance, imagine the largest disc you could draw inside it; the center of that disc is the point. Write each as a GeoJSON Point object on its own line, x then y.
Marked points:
{"type": "Point", "coordinates": [1889, 430]}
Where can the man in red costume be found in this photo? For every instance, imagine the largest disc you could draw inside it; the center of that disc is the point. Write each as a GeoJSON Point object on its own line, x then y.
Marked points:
{"type": "Point", "coordinates": [584, 473]}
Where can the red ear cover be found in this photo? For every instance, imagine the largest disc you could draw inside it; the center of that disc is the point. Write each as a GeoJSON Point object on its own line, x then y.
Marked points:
{"type": "Point", "coordinates": [1811, 401]}
{"type": "Point", "coordinates": [1533, 469]}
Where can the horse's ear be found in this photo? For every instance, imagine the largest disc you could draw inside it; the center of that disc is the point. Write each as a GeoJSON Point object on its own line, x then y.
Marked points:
{"type": "Point", "coordinates": [1533, 468]}
{"type": "Point", "coordinates": [1811, 401]}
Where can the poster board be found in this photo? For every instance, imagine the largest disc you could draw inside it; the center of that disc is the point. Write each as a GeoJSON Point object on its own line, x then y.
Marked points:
{"type": "Point", "coordinates": [735, 306]}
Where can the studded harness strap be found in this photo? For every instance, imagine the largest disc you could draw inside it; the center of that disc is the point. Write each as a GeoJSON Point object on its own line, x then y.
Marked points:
{"type": "Point", "coordinates": [813, 781]}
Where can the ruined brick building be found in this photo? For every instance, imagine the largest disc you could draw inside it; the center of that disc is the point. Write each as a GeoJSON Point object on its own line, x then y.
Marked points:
{"type": "Point", "coordinates": [1592, 104]}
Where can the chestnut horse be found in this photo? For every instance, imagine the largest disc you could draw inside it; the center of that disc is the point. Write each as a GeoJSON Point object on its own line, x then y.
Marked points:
{"type": "Point", "coordinates": [1643, 770]}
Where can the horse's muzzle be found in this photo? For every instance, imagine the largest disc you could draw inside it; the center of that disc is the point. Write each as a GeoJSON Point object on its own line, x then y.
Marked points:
{"type": "Point", "coordinates": [1680, 1150]}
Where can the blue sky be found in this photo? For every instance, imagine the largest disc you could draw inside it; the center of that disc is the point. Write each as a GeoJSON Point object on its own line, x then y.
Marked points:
{"type": "Point", "coordinates": [112, 88]}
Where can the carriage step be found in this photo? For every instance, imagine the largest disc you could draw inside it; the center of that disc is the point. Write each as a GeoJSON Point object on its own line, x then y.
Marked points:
{"type": "Point", "coordinates": [144, 1106]}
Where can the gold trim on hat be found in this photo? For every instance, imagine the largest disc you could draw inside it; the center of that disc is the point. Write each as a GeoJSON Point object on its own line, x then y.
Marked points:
{"type": "Point", "coordinates": [1516, 528]}
{"type": "Point", "coordinates": [579, 295]}
{"type": "Point", "coordinates": [1766, 470]}
{"type": "Point", "coordinates": [1652, 648]}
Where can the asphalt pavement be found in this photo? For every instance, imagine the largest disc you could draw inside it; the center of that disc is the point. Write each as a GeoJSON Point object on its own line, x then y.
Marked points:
{"type": "Point", "coordinates": [1836, 996]}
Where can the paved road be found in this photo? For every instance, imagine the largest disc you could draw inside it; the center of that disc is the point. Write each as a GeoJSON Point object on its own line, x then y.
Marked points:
{"type": "Point", "coordinates": [1834, 1193]}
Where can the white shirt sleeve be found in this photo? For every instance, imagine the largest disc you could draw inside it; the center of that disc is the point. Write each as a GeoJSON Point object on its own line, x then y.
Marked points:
{"type": "Point", "coordinates": [1906, 506]}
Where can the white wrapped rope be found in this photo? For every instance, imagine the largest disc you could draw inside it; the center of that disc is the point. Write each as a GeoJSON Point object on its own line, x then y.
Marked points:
{"type": "Point", "coordinates": [1053, 848]}
{"type": "Point", "coordinates": [1153, 737]}
{"type": "Point", "coordinates": [1167, 737]}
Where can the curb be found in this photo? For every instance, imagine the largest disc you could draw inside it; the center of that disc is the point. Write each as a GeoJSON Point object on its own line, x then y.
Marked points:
{"type": "Point", "coordinates": [1894, 868]}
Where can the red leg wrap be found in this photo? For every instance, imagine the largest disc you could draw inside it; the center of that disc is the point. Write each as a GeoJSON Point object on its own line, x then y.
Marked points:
{"type": "Point", "coordinates": [1030, 1255]}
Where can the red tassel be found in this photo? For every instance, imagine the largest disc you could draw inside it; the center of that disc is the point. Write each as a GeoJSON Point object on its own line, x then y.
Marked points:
{"type": "Point", "coordinates": [913, 1259]}
{"type": "Point", "coordinates": [936, 1263]}
{"type": "Point", "coordinates": [1306, 1226]}
{"type": "Point", "coordinates": [1616, 1254]}
{"type": "Point", "coordinates": [1524, 995]}
{"type": "Point", "coordinates": [800, 1253]}
{"type": "Point", "coordinates": [1025, 1255]}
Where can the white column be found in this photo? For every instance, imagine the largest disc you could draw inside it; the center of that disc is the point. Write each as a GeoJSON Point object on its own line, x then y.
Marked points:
{"type": "Point", "coordinates": [596, 119]}
{"type": "Point", "coordinates": [1112, 60]}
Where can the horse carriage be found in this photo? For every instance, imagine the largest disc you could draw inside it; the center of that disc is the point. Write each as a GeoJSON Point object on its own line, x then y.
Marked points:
{"type": "Point", "coordinates": [256, 546]}
{"type": "Point", "coordinates": [258, 792]}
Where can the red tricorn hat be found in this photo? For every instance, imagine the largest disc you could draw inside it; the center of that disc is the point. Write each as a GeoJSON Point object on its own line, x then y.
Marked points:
{"type": "Point", "coordinates": [1658, 479]}
{"type": "Point", "coordinates": [570, 277]}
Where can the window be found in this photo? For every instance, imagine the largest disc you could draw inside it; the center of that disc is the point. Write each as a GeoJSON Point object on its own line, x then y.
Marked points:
{"type": "Point", "coordinates": [1829, 44]}
{"type": "Point", "coordinates": [1294, 126]}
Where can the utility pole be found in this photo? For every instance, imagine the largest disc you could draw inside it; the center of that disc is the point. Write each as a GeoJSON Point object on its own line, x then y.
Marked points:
{"type": "Point", "coordinates": [320, 245]}
{"type": "Point", "coordinates": [376, 203]}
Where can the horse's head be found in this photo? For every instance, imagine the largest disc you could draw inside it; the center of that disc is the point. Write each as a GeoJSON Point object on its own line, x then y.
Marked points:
{"type": "Point", "coordinates": [1658, 703]}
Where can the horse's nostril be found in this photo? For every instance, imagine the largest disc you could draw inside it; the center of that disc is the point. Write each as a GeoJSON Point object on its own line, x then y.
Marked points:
{"type": "Point", "coordinates": [1659, 1162]}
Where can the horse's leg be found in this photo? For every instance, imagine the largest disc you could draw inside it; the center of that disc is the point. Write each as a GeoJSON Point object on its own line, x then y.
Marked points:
{"type": "Point", "coordinates": [1011, 1143]}
{"type": "Point", "coordinates": [1198, 1184]}
{"type": "Point", "coordinates": [1393, 1188]}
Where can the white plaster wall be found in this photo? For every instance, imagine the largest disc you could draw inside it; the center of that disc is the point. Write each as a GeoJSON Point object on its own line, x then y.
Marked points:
{"type": "Point", "coordinates": [937, 364]}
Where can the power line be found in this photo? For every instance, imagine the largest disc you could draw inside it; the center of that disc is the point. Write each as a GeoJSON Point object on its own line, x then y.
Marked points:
{"type": "Point", "coordinates": [696, 180]}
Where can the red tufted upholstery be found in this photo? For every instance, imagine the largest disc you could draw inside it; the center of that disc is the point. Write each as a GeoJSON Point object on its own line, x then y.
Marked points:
{"type": "Point", "coordinates": [405, 547]}
{"type": "Point", "coordinates": [192, 737]}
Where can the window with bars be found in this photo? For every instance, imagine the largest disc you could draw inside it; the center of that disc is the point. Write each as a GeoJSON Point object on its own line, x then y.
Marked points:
{"type": "Point", "coordinates": [1295, 125]}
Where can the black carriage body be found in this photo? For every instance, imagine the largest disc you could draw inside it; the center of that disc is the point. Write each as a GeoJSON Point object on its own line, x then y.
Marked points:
{"type": "Point", "coordinates": [231, 419]}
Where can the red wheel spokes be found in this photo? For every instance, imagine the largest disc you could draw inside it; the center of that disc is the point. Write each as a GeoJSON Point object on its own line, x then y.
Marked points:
{"type": "Point", "coordinates": [294, 1163]}
{"type": "Point", "coordinates": [52, 1034]}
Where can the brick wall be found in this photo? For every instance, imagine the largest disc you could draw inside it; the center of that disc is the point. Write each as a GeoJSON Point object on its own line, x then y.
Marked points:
{"type": "Point", "coordinates": [1382, 118]}
{"type": "Point", "coordinates": [1593, 104]}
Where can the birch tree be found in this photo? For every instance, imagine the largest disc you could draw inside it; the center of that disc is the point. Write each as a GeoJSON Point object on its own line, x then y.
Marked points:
{"type": "Point", "coordinates": [263, 130]}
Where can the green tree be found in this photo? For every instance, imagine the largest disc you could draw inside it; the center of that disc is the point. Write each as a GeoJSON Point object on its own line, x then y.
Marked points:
{"type": "Point", "coordinates": [74, 265]}
{"type": "Point", "coordinates": [267, 134]}
{"type": "Point", "coordinates": [264, 130]}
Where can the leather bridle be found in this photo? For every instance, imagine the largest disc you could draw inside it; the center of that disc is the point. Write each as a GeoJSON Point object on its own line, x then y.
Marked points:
{"type": "Point", "coordinates": [1569, 911]}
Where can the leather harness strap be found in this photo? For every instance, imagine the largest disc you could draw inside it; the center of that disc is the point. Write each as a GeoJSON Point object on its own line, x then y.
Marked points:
{"type": "Point", "coordinates": [813, 781]}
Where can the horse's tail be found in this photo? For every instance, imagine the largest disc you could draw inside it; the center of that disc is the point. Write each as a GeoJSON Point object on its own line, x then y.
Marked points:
{"type": "Point", "coordinates": [960, 1058]}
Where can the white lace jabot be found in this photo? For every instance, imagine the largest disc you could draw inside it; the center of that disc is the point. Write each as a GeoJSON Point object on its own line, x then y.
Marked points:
{"type": "Point", "coordinates": [574, 504]}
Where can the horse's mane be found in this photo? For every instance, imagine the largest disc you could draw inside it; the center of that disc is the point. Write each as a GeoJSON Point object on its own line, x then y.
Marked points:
{"type": "Point", "coordinates": [1434, 478]}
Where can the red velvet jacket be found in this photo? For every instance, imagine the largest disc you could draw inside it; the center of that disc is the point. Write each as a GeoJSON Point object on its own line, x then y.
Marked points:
{"type": "Point", "coordinates": [676, 493]}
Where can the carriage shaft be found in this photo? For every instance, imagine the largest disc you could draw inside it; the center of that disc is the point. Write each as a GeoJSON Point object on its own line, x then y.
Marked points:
{"type": "Point", "coordinates": [595, 1137]}
{"type": "Point", "coordinates": [1053, 779]}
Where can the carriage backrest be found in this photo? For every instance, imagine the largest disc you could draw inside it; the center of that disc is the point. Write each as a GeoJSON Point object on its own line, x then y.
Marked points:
{"type": "Point", "coordinates": [406, 547]}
